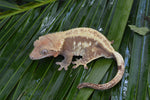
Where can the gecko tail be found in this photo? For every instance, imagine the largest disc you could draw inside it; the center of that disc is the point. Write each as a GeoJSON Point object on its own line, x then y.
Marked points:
{"type": "Point", "coordinates": [114, 81]}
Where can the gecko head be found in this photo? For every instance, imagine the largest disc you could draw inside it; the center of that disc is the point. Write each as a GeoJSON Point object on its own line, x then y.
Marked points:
{"type": "Point", "coordinates": [43, 47]}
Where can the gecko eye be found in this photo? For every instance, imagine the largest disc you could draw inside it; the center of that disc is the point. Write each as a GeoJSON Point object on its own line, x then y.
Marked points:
{"type": "Point", "coordinates": [44, 52]}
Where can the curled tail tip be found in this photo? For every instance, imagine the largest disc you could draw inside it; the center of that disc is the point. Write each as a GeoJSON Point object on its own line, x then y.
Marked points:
{"type": "Point", "coordinates": [80, 86]}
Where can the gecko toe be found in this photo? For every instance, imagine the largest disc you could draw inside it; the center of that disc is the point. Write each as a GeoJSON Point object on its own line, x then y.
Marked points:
{"type": "Point", "coordinates": [60, 68]}
{"type": "Point", "coordinates": [75, 66]}
{"type": "Point", "coordinates": [85, 66]}
{"type": "Point", "coordinates": [66, 68]}
{"type": "Point", "coordinates": [58, 63]}
{"type": "Point", "coordinates": [62, 65]}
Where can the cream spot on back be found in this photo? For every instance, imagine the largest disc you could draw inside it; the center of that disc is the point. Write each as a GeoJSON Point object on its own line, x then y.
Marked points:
{"type": "Point", "coordinates": [74, 45]}
{"type": "Point", "coordinates": [90, 44]}
{"type": "Point", "coordinates": [79, 44]}
{"type": "Point", "coordinates": [93, 49]}
{"type": "Point", "coordinates": [78, 50]}
{"type": "Point", "coordinates": [85, 44]}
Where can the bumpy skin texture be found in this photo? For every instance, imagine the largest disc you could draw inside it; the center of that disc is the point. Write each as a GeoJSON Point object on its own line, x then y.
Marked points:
{"type": "Point", "coordinates": [85, 42]}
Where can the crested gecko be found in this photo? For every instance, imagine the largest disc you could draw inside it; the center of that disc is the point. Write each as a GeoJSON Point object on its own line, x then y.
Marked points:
{"type": "Point", "coordinates": [85, 42]}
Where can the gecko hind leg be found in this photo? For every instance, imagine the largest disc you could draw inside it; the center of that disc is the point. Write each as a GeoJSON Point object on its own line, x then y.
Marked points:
{"type": "Point", "coordinates": [79, 62]}
{"type": "Point", "coordinates": [85, 60]}
{"type": "Point", "coordinates": [89, 56]}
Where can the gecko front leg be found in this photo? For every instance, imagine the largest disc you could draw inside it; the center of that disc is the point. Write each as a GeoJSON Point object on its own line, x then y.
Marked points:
{"type": "Point", "coordinates": [66, 62]}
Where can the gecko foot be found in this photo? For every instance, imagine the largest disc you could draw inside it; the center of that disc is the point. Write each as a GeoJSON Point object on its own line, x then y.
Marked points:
{"type": "Point", "coordinates": [62, 65]}
{"type": "Point", "coordinates": [111, 42]}
{"type": "Point", "coordinates": [78, 63]}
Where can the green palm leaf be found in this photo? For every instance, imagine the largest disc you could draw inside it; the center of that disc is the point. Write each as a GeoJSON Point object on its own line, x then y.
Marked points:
{"type": "Point", "coordinates": [6, 4]}
{"type": "Point", "coordinates": [24, 79]}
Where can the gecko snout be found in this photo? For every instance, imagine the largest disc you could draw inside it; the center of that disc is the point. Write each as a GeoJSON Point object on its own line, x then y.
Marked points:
{"type": "Point", "coordinates": [31, 57]}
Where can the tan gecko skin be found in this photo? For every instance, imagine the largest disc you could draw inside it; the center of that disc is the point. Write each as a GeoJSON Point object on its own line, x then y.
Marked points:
{"type": "Point", "coordinates": [85, 42]}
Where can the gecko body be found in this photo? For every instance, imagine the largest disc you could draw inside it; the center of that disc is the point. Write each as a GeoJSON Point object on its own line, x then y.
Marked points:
{"type": "Point", "coordinates": [85, 42]}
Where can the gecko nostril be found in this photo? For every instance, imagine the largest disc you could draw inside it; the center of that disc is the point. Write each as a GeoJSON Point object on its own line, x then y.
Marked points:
{"type": "Point", "coordinates": [31, 57]}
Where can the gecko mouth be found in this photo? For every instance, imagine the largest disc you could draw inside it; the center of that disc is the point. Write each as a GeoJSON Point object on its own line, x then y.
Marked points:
{"type": "Point", "coordinates": [37, 58]}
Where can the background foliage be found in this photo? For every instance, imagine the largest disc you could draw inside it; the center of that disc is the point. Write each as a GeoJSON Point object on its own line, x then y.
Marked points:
{"type": "Point", "coordinates": [23, 21]}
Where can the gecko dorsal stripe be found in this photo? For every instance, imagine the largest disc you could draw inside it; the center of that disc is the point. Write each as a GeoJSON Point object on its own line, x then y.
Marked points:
{"type": "Point", "coordinates": [90, 33]}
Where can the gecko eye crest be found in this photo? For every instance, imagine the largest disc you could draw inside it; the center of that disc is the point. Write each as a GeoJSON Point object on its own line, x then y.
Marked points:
{"type": "Point", "coordinates": [44, 52]}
